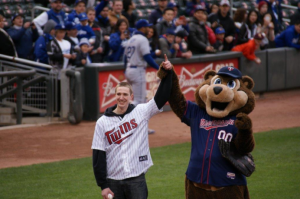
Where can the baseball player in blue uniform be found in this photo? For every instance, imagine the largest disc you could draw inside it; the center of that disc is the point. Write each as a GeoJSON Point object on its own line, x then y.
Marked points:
{"type": "Point", "coordinates": [137, 56]}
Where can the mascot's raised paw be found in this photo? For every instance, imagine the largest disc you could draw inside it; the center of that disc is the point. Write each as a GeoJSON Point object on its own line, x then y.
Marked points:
{"type": "Point", "coordinates": [243, 121]}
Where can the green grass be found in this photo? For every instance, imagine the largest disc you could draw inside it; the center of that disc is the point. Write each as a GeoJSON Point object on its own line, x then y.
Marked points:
{"type": "Point", "coordinates": [277, 175]}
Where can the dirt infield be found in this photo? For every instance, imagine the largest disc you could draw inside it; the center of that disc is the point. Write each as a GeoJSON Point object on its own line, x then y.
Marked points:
{"type": "Point", "coordinates": [32, 145]}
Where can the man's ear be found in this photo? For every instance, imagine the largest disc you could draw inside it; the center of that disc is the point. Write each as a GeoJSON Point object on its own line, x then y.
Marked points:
{"type": "Point", "coordinates": [209, 74]}
{"type": "Point", "coordinates": [248, 82]}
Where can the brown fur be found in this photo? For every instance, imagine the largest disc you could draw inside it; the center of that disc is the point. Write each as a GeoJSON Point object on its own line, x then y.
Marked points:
{"type": "Point", "coordinates": [244, 140]}
{"type": "Point", "coordinates": [239, 101]}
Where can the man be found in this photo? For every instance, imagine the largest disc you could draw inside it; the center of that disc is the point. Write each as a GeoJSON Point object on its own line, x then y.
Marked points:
{"type": "Point", "coordinates": [7, 46]}
{"type": "Point", "coordinates": [54, 13]}
{"type": "Point", "coordinates": [78, 9]}
{"type": "Point", "coordinates": [59, 50]}
{"type": "Point", "coordinates": [167, 44]}
{"type": "Point", "coordinates": [290, 37]}
{"type": "Point", "coordinates": [158, 12]}
{"type": "Point", "coordinates": [296, 15]}
{"type": "Point", "coordinates": [24, 35]}
{"type": "Point", "coordinates": [121, 154]}
{"type": "Point", "coordinates": [198, 38]}
{"type": "Point", "coordinates": [104, 24]}
{"type": "Point", "coordinates": [248, 49]}
{"type": "Point", "coordinates": [223, 18]}
{"type": "Point", "coordinates": [96, 56]}
{"type": "Point", "coordinates": [166, 22]}
{"type": "Point", "coordinates": [40, 48]}
{"type": "Point", "coordinates": [116, 13]}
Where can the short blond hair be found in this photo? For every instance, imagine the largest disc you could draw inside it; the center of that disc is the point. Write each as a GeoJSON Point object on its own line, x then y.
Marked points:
{"type": "Point", "coordinates": [124, 84]}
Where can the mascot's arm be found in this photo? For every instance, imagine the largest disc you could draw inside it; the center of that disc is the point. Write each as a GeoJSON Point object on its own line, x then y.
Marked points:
{"type": "Point", "coordinates": [244, 140]}
{"type": "Point", "coordinates": [177, 100]}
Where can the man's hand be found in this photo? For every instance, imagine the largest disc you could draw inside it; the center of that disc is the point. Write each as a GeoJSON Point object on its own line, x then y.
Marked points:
{"type": "Point", "coordinates": [257, 60]}
{"type": "Point", "coordinates": [99, 50]}
{"type": "Point", "coordinates": [105, 193]}
{"type": "Point", "coordinates": [214, 24]}
{"type": "Point", "coordinates": [68, 56]}
{"type": "Point", "coordinates": [83, 61]}
{"type": "Point", "coordinates": [167, 64]}
{"type": "Point", "coordinates": [106, 38]}
{"type": "Point", "coordinates": [209, 48]}
{"type": "Point", "coordinates": [229, 39]}
{"type": "Point", "coordinates": [26, 25]}
{"type": "Point", "coordinates": [176, 46]}
{"type": "Point", "coordinates": [187, 54]}
{"type": "Point", "coordinates": [91, 48]}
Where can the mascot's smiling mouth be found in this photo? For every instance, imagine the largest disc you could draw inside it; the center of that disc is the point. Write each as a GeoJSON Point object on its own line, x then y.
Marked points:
{"type": "Point", "coordinates": [218, 106]}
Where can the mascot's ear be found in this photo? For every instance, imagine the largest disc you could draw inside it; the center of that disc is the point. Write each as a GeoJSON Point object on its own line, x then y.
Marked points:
{"type": "Point", "coordinates": [209, 74]}
{"type": "Point", "coordinates": [248, 82]}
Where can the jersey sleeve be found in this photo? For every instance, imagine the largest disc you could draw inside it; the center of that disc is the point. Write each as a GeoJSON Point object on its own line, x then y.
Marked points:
{"type": "Point", "coordinates": [149, 109]}
{"type": "Point", "coordinates": [144, 48]}
{"type": "Point", "coordinates": [99, 137]}
{"type": "Point", "coordinates": [192, 110]}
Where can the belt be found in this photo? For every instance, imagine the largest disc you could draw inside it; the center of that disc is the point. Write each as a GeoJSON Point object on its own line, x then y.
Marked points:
{"type": "Point", "coordinates": [137, 67]}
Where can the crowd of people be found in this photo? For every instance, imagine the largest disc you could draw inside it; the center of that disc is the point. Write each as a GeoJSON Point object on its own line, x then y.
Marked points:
{"type": "Point", "coordinates": [100, 33]}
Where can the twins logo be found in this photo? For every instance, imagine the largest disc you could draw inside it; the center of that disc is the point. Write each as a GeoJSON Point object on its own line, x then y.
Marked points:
{"type": "Point", "coordinates": [115, 136]}
{"type": "Point", "coordinates": [211, 124]}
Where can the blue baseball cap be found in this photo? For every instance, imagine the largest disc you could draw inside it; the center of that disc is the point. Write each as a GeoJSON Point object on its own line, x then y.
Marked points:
{"type": "Point", "coordinates": [16, 15]}
{"type": "Point", "coordinates": [142, 23]}
{"type": "Point", "coordinates": [79, 1]}
{"type": "Point", "coordinates": [170, 31]}
{"type": "Point", "coordinates": [230, 71]}
{"type": "Point", "coordinates": [60, 27]}
{"type": "Point", "coordinates": [82, 17]}
{"type": "Point", "coordinates": [199, 7]}
{"type": "Point", "coordinates": [70, 26]}
{"type": "Point", "coordinates": [219, 30]}
{"type": "Point", "coordinates": [84, 41]}
{"type": "Point", "coordinates": [172, 5]}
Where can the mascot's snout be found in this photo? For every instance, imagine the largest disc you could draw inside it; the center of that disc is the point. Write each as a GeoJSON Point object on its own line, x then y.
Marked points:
{"type": "Point", "coordinates": [218, 90]}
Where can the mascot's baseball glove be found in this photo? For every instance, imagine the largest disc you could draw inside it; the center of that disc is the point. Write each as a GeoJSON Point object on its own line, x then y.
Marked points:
{"type": "Point", "coordinates": [245, 164]}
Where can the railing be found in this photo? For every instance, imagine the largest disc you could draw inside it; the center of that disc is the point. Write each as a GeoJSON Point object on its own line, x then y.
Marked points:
{"type": "Point", "coordinates": [18, 77]}
{"type": "Point", "coordinates": [39, 91]}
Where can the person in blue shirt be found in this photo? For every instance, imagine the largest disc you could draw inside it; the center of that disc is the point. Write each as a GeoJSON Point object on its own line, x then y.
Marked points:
{"type": "Point", "coordinates": [55, 13]}
{"type": "Point", "coordinates": [289, 37]}
{"type": "Point", "coordinates": [78, 9]}
{"type": "Point", "coordinates": [118, 40]}
{"type": "Point", "coordinates": [23, 36]}
{"type": "Point", "coordinates": [40, 48]}
{"type": "Point", "coordinates": [84, 30]}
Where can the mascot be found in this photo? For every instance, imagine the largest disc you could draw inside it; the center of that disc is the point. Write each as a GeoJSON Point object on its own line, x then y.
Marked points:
{"type": "Point", "coordinates": [221, 132]}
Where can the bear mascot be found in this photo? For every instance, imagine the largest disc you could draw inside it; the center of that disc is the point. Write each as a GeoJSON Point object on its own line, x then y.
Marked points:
{"type": "Point", "coordinates": [221, 132]}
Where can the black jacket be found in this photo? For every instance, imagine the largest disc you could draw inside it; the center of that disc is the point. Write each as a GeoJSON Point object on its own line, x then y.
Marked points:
{"type": "Point", "coordinates": [227, 23]}
{"type": "Point", "coordinates": [7, 46]}
{"type": "Point", "coordinates": [198, 37]}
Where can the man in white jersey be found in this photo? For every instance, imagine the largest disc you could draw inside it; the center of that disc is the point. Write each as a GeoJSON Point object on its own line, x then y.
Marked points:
{"type": "Point", "coordinates": [121, 154]}
{"type": "Point", "coordinates": [137, 57]}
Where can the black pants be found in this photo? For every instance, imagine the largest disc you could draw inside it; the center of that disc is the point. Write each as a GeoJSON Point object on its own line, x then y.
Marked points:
{"type": "Point", "coordinates": [131, 188]}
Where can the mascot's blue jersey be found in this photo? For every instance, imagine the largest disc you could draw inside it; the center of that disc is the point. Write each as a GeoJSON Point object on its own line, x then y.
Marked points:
{"type": "Point", "coordinates": [207, 166]}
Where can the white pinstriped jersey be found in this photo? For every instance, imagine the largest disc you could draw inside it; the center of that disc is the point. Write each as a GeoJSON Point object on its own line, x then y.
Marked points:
{"type": "Point", "coordinates": [136, 48]}
{"type": "Point", "coordinates": [125, 141]}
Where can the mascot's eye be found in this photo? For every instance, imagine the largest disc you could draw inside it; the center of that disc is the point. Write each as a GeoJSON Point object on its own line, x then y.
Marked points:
{"type": "Point", "coordinates": [231, 84]}
{"type": "Point", "coordinates": [218, 81]}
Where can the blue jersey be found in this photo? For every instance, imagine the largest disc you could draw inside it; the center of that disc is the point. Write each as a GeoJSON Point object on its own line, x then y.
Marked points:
{"type": "Point", "coordinates": [207, 166]}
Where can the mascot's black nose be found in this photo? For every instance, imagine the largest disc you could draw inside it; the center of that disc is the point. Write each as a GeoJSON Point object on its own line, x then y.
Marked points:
{"type": "Point", "coordinates": [217, 90]}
